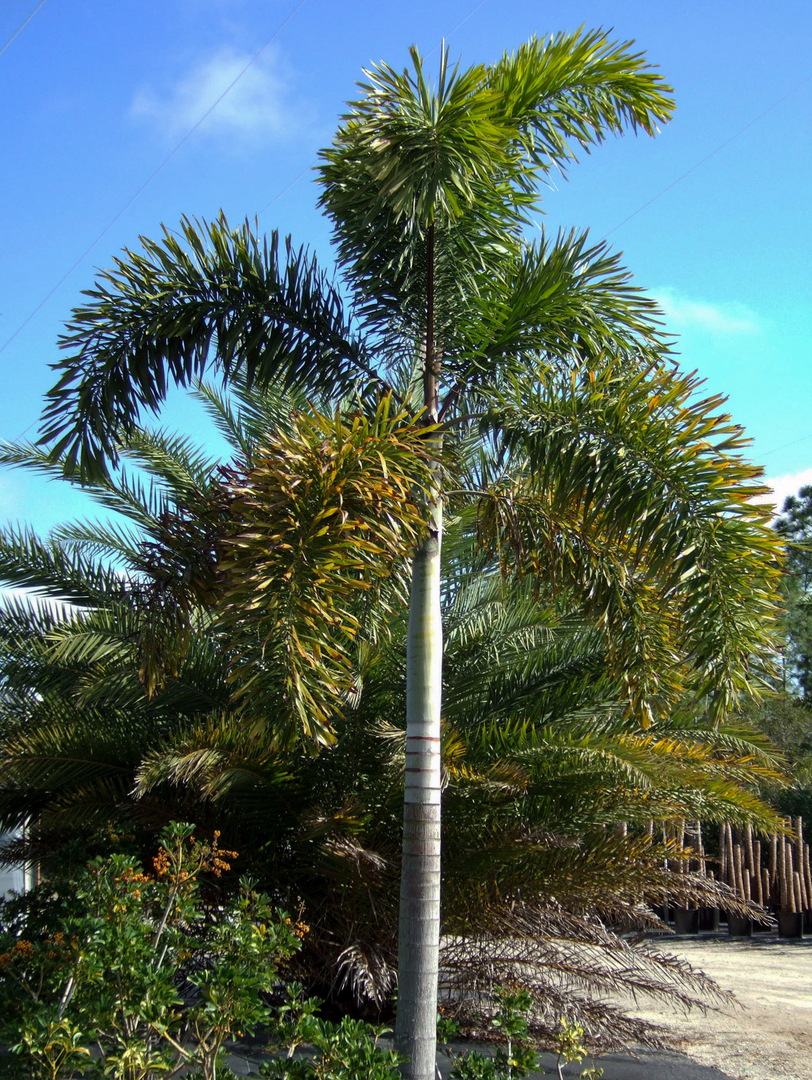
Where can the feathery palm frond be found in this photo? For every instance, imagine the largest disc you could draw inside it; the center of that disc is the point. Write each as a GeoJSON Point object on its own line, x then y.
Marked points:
{"type": "Point", "coordinates": [674, 557]}
{"type": "Point", "coordinates": [273, 313]}
{"type": "Point", "coordinates": [320, 517]}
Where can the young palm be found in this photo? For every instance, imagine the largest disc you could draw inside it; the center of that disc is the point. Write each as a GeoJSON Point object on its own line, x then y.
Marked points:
{"type": "Point", "coordinates": [631, 490]}
{"type": "Point", "coordinates": [136, 627]}
{"type": "Point", "coordinates": [539, 765]}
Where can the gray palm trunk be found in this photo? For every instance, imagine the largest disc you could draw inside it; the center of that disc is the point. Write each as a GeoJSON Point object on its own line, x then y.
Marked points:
{"type": "Point", "coordinates": [419, 931]}
{"type": "Point", "coordinates": [419, 917]}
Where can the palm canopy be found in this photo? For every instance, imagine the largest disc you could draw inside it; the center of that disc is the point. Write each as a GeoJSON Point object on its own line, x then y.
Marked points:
{"type": "Point", "coordinates": [545, 348]}
{"type": "Point", "coordinates": [429, 190]}
{"type": "Point", "coordinates": [221, 298]}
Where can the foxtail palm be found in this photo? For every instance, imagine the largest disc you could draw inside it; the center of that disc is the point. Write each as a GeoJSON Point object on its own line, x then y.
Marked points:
{"type": "Point", "coordinates": [625, 486]}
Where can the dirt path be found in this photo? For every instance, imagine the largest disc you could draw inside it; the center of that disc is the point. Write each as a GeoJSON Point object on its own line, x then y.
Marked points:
{"type": "Point", "coordinates": [770, 1036]}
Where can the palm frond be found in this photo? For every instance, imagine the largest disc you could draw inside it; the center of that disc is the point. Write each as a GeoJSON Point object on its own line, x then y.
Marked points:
{"type": "Point", "coordinates": [49, 570]}
{"type": "Point", "coordinates": [272, 314]}
{"type": "Point", "coordinates": [677, 562]}
{"type": "Point", "coordinates": [245, 414]}
{"type": "Point", "coordinates": [320, 517]}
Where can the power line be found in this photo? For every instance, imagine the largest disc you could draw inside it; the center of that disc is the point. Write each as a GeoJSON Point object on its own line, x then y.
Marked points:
{"type": "Point", "coordinates": [293, 183]}
{"type": "Point", "coordinates": [285, 190]}
{"type": "Point", "coordinates": [473, 11]}
{"type": "Point", "coordinates": [22, 26]}
{"type": "Point", "coordinates": [152, 175]}
{"type": "Point", "coordinates": [707, 157]}
{"type": "Point", "coordinates": [169, 157]}
{"type": "Point", "coordinates": [794, 442]}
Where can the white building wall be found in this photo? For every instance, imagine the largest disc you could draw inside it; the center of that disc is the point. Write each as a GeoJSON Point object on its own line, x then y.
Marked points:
{"type": "Point", "coordinates": [12, 879]}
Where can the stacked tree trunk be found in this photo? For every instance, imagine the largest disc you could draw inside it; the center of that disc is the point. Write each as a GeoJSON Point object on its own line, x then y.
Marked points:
{"type": "Point", "coordinates": [775, 875]}
{"type": "Point", "coordinates": [688, 835]}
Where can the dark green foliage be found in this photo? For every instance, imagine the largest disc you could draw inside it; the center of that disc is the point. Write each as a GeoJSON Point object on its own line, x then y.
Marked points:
{"type": "Point", "coordinates": [609, 570]}
{"type": "Point", "coordinates": [261, 312]}
{"type": "Point", "coordinates": [787, 721]}
{"type": "Point", "coordinates": [617, 480]}
{"type": "Point", "coordinates": [467, 159]}
{"type": "Point", "coordinates": [795, 526]}
{"type": "Point", "coordinates": [348, 1050]}
{"type": "Point", "coordinates": [512, 1060]}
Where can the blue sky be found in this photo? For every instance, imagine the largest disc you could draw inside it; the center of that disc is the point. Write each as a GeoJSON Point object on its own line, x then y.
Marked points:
{"type": "Point", "coordinates": [95, 96]}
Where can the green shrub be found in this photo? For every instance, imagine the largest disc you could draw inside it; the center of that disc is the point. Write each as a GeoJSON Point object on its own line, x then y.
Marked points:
{"type": "Point", "coordinates": [511, 1061]}
{"type": "Point", "coordinates": [516, 1057]}
{"type": "Point", "coordinates": [348, 1050]}
{"type": "Point", "coordinates": [136, 966]}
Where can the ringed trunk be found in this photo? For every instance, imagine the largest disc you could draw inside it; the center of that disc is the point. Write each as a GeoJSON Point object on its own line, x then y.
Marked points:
{"type": "Point", "coordinates": [419, 916]}
{"type": "Point", "coordinates": [419, 920]}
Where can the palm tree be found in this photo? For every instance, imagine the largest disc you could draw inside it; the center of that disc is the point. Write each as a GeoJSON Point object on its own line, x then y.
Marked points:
{"type": "Point", "coordinates": [622, 487]}
{"type": "Point", "coordinates": [133, 627]}
{"type": "Point", "coordinates": [539, 765]}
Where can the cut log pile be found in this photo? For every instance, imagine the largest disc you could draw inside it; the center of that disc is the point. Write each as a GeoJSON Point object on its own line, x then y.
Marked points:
{"type": "Point", "coordinates": [781, 881]}
{"type": "Point", "coordinates": [774, 873]}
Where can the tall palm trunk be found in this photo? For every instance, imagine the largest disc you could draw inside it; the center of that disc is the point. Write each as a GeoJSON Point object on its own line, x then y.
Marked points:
{"type": "Point", "coordinates": [419, 920]}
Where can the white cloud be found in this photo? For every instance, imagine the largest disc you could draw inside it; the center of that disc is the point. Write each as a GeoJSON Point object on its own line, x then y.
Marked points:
{"type": "Point", "coordinates": [256, 105]}
{"type": "Point", "coordinates": [687, 313]}
{"type": "Point", "coordinates": [787, 485]}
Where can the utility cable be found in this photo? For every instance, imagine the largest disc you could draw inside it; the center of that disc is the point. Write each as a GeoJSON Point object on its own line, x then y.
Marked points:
{"type": "Point", "coordinates": [152, 175]}
{"type": "Point", "coordinates": [294, 182]}
{"type": "Point", "coordinates": [707, 157]}
{"type": "Point", "coordinates": [784, 446]}
{"type": "Point", "coordinates": [274, 200]}
{"type": "Point", "coordinates": [22, 26]}
{"type": "Point", "coordinates": [285, 190]}
{"type": "Point", "coordinates": [473, 11]}
{"type": "Point", "coordinates": [169, 157]}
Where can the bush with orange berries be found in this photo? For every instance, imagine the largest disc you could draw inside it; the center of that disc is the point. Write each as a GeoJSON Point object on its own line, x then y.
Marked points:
{"type": "Point", "coordinates": [129, 974]}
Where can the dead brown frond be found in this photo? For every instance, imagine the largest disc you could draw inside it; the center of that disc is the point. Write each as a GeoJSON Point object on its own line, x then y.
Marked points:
{"type": "Point", "coordinates": [573, 967]}
{"type": "Point", "coordinates": [363, 969]}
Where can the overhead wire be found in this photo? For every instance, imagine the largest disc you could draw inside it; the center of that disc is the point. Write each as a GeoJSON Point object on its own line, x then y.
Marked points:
{"type": "Point", "coordinates": [152, 176]}
{"type": "Point", "coordinates": [169, 157]}
{"type": "Point", "coordinates": [304, 172]}
{"type": "Point", "coordinates": [473, 11]}
{"type": "Point", "coordinates": [22, 26]}
{"type": "Point", "coordinates": [707, 157]}
{"type": "Point", "coordinates": [785, 446]}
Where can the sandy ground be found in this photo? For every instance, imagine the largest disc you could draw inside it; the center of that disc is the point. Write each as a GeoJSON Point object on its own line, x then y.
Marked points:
{"type": "Point", "coordinates": [769, 1036]}
{"type": "Point", "coordinates": [766, 1036]}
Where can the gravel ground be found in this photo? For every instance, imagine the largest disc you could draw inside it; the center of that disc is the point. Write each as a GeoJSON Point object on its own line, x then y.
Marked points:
{"type": "Point", "coordinates": [768, 1036]}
